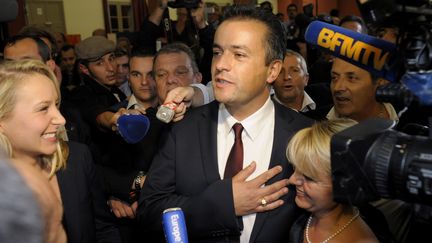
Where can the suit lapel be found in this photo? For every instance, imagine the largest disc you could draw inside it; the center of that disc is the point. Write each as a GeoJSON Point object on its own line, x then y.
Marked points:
{"type": "Point", "coordinates": [281, 134]}
{"type": "Point", "coordinates": [207, 129]}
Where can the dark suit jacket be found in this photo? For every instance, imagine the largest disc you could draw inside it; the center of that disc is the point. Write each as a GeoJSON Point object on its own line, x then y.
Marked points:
{"type": "Point", "coordinates": [185, 174]}
{"type": "Point", "coordinates": [126, 160]}
{"type": "Point", "coordinates": [86, 216]}
{"type": "Point", "coordinates": [92, 99]}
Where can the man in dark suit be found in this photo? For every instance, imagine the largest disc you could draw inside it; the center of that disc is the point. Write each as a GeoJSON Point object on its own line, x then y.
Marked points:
{"type": "Point", "coordinates": [191, 170]}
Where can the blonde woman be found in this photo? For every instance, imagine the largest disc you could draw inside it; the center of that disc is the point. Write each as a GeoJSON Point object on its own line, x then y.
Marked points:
{"type": "Point", "coordinates": [328, 221]}
{"type": "Point", "coordinates": [30, 123]}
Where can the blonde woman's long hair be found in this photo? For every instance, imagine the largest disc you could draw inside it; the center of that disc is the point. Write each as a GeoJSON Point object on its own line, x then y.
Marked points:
{"type": "Point", "coordinates": [12, 74]}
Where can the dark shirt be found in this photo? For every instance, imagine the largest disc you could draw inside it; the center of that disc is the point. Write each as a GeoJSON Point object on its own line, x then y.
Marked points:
{"type": "Point", "coordinates": [93, 99]}
{"type": "Point", "coordinates": [86, 215]}
{"type": "Point", "coordinates": [128, 159]}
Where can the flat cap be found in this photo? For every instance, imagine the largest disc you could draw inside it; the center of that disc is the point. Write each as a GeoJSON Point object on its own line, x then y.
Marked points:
{"type": "Point", "coordinates": [94, 47]}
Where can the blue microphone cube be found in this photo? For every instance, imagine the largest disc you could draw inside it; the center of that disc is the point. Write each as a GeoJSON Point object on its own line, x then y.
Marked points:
{"type": "Point", "coordinates": [174, 225]}
{"type": "Point", "coordinates": [133, 128]}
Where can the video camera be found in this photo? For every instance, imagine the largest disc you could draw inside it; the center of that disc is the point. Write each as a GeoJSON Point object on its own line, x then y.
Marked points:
{"type": "Point", "coordinates": [373, 160]}
{"type": "Point", "coordinates": [183, 3]}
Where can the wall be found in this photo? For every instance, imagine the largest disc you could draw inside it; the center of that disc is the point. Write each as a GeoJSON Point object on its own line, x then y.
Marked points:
{"type": "Point", "coordinates": [345, 7]}
{"type": "Point", "coordinates": [83, 16]}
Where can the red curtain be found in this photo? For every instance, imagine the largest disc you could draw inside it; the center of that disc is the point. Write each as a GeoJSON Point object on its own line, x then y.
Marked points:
{"type": "Point", "coordinates": [140, 11]}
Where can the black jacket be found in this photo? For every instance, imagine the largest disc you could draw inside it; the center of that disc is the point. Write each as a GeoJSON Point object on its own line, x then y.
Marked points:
{"type": "Point", "coordinates": [86, 215]}
{"type": "Point", "coordinates": [185, 174]}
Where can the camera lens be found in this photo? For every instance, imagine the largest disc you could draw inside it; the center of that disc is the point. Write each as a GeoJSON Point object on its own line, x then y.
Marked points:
{"type": "Point", "coordinates": [400, 166]}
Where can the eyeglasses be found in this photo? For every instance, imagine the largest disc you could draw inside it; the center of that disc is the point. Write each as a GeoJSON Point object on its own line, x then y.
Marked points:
{"type": "Point", "coordinates": [180, 72]}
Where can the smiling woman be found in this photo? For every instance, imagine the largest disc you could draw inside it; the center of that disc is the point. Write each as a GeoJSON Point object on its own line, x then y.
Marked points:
{"type": "Point", "coordinates": [309, 153]}
{"type": "Point", "coordinates": [30, 123]}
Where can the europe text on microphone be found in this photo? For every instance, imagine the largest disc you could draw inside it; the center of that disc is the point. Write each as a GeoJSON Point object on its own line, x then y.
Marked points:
{"type": "Point", "coordinates": [364, 51]}
{"type": "Point", "coordinates": [174, 226]}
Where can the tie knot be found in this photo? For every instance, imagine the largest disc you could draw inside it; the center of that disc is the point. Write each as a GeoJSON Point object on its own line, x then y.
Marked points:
{"type": "Point", "coordinates": [238, 129]}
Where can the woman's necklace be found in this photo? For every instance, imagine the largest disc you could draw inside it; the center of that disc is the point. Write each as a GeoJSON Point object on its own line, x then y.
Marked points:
{"type": "Point", "coordinates": [357, 213]}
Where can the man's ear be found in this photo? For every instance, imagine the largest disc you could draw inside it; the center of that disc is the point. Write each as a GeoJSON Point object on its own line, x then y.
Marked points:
{"type": "Point", "coordinates": [273, 71]}
{"type": "Point", "coordinates": [382, 81]}
{"type": "Point", "coordinates": [51, 64]}
{"type": "Point", "coordinates": [306, 79]}
{"type": "Point", "coordinates": [84, 69]}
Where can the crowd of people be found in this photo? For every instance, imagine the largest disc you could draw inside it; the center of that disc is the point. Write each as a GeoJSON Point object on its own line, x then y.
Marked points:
{"type": "Point", "coordinates": [246, 157]}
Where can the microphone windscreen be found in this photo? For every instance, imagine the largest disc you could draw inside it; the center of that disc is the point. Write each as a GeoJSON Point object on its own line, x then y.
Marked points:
{"type": "Point", "coordinates": [8, 10]}
{"type": "Point", "coordinates": [133, 128]}
{"type": "Point", "coordinates": [367, 52]}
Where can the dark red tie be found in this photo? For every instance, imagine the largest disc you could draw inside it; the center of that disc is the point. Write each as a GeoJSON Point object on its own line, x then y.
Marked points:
{"type": "Point", "coordinates": [235, 158]}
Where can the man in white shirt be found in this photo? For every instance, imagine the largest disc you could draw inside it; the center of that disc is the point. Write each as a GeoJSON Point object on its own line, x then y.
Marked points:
{"type": "Point", "coordinates": [291, 82]}
{"type": "Point", "coordinates": [190, 170]}
{"type": "Point", "coordinates": [353, 90]}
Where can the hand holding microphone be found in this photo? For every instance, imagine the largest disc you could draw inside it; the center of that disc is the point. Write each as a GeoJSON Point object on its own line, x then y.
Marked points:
{"type": "Point", "coordinates": [177, 101]}
{"type": "Point", "coordinates": [133, 128]}
{"type": "Point", "coordinates": [132, 124]}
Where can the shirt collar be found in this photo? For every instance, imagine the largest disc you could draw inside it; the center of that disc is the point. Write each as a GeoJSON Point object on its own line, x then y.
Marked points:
{"type": "Point", "coordinates": [252, 125]}
{"type": "Point", "coordinates": [388, 107]}
{"type": "Point", "coordinates": [308, 103]}
{"type": "Point", "coordinates": [132, 102]}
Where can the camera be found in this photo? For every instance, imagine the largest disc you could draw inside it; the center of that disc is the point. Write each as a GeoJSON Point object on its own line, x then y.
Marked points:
{"type": "Point", "coordinates": [414, 62]}
{"type": "Point", "coordinates": [372, 159]}
{"type": "Point", "coordinates": [183, 3]}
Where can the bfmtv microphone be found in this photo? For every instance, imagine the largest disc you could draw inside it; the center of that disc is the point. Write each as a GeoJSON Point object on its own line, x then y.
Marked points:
{"type": "Point", "coordinates": [133, 128]}
{"type": "Point", "coordinates": [174, 225]}
{"type": "Point", "coordinates": [367, 52]}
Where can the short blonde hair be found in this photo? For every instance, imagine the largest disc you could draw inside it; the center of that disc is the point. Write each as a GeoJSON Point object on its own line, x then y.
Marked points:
{"type": "Point", "coordinates": [12, 75]}
{"type": "Point", "coordinates": [309, 149]}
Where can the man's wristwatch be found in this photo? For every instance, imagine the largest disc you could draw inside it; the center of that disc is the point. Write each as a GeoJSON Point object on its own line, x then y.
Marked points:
{"type": "Point", "coordinates": [138, 180]}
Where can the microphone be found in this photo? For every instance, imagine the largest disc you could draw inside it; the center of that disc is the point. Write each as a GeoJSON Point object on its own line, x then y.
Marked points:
{"type": "Point", "coordinates": [174, 225]}
{"type": "Point", "coordinates": [133, 128]}
{"type": "Point", "coordinates": [8, 11]}
{"type": "Point", "coordinates": [367, 52]}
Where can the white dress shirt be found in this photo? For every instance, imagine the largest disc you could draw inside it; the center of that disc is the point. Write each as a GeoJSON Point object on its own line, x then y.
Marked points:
{"type": "Point", "coordinates": [307, 104]}
{"type": "Point", "coordinates": [257, 138]}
